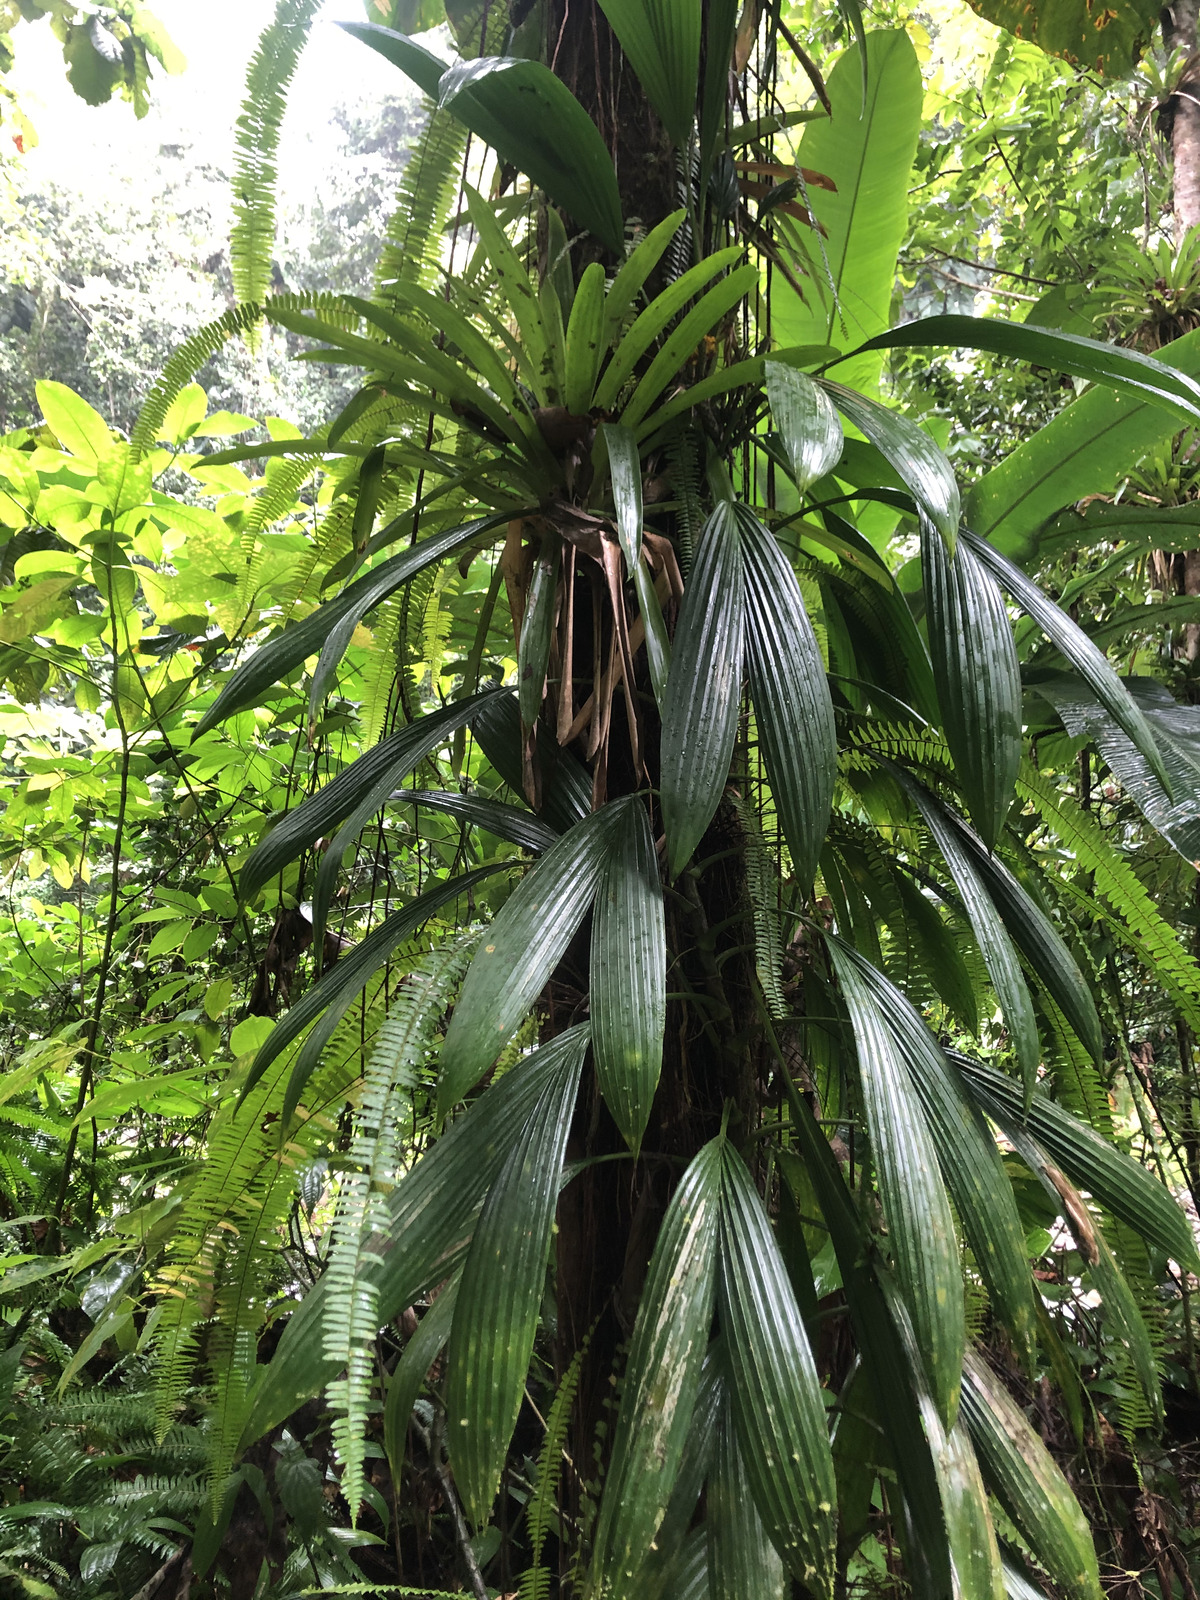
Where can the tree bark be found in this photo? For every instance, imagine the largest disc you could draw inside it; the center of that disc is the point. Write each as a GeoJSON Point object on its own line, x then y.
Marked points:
{"type": "Point", "coordinates": [1179, 31]}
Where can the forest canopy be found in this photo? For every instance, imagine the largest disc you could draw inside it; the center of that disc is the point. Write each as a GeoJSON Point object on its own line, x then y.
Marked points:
{"type": "Point", "coordinates": [600, 754]}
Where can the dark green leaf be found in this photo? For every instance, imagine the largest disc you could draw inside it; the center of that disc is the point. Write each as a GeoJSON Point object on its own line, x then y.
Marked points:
{"type": "Point", "coordinates": [666, 1356]}
{"type": "Point", "coordinates": [977, 676]}
{"type": "Point", "coordinates": [922, 467]}
{"type": "Point", "coordinates": [629, 975]}
{"type": "Point", "coordinates": [704, 690]}
{"type": "Point", "coordinates": [656, 1570]}
{"type": "Point", "coordinates": [915, 1207]}
{"type": "Point", "coordinates": [404, 1385]}
{"type": "Point", "coordinates": [1026, 1480]}
{"type": "Point", "coordinates": [625, 469]}
{"type": "Point", "coordinates": [506, 822]}
{"type": "Point", "coordinates": [790, 694]}
{"type": "Point", "coordinates": [522, 947]}
{"type": "Point", "coordinates": [774, 1390]}
{"type": "Point", "coordinates": [584, 340]}
{"type": "Point", "coordinates": [537, 626]}
{"type": "Point", "coordinates": [566, 786]}
{"type": "Point", "coordinates": [742, 1561]}
{"type": "Point", "coordinates": [720, 37]}
{"type": "Point", "coordinates": [662, 40]}
{"type": "Point", "coordinates": [807, 423]}
{"type": "Point", "coordinates": [496, 1315]}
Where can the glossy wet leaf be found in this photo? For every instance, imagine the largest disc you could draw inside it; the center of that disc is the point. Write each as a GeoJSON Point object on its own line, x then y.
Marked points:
{"type": "Point", "coordinates": [921, 466]}
{"type": "Point", "coordinates": [806, 422]}
{"type": "Point", "coordinates": [742, 1561]}
{"type": "Point", "coordinates": [409, 1373]}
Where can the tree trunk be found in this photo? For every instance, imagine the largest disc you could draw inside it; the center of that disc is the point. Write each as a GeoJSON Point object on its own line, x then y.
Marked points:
{"type": "Point", "coordinates": [1179, 32]}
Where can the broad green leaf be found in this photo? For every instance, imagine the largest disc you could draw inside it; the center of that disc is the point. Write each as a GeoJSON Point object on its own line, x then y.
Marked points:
{"type": "Point", "coordinates": [299, 640]}
{"type": "Point", "coordinates": [537, 627]}
{"type": "Point", "coordinates": [911, 1192]}
{"type": "Point", "coordinates": [528, 116]}
{"type": "Point", "coordinates": [629, 975]}
{"type": "Point", "coordinates": [806, 421]}
{"type": "Point", "coordinates": [1117, 1182]}
{"type": "Point", "coordinates": [522, 947]}
{"type": "Point", "coordinates": [432, 1213]}
{"type": "Point", "coordinates": [995, 944]}
{"type": "Point", "coordinates": [335, 992]}
{"type": "Point", "coordinates": [78, 428]}
{"type": "Point", "coordinates": [655, 1574]}
{"type": "Point", "coordinates": [866, 148]}
{"type": "Point", "coordinates": [703, 317]}
{"type": "Point", "coordinates": [704, 690]}
{"type": "Point", "coordinates": [1111, 40]}
{"type": "Point", "coordinates": [1126, 370]}
{"type": "Point", "coordinates": [658, 314]}
{"type": "Point", "coordinates": [357, 792]}
{"type": "Point", "coordinates": [404, 1385]}
{"type": "Point", "coordinates": [977, 676]}
{"type": "Point", "coordinates": [1026, 1480]}
{"type": "Point", "coordinates": [506, 822]}
{"type": "Point", "coordinates": [496, 1314]}
{"type": "Point", "coordinates": [775, 1394]}
{"type": "Point", "coordinates": [922, 467]}
{"type": "Point", "coordinates": [662, 41]}
{"type": "Point", "coordinates": [666, 1356]}
{"type": "Point", "coordinates": [1088, 661]}
{"type": "Point", "coordinates": [790, 693]}
{"type": "Point", "coordinates": [969, 1159]}
{"type": "Point", "coordinates": [584, 340]}
{"type": "Point", "coordinates": [742, 1561]}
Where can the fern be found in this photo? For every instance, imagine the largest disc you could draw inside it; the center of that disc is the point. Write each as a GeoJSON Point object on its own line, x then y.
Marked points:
{"type": "Point", "coordinates": [271, 69]}
{"type": "Point", "coordinates": [762, 887]}
{"type": "Point", "coordinates": [284, 481]}
{"type": "Point", "coordinates": [428, 189]}
{"type": "Point", "coordinates": [351, 1314]}
{"type": "Point", "coordinates": [535, 1583]}
{"type": "Point", "coordinates": [379, 673]}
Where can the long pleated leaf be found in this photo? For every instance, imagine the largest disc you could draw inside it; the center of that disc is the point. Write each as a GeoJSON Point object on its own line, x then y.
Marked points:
{"type": "Point", "coordinates": [970, 1161]}
{"type": "Point", "coordinates": [1087, 659]}
{"type": "Point", "coordinates": [977, 676]}
{"type": "Point", "coordinates": [432, 1213]}
{"type": "Point", "coordinates": [503, 1280]}
{"type": "Point", "coordinates": [998, 951]}
{"type": "Point", "coordinates": [1025, 1478]}
{"type": "Point", "coordinates": [790, 693]}
{"type": "Point", "coordinates": [521, 949]}
{"type": "Point", "coordinates": [743, 1564]}
{"type": "Point", "coordinates": [537, 626]}
{"type": "Point", "coordinates": [358, 790]}
{"type": "Point", "coordinates": [625, 470]}
{"type": "Point", "coordinates": [1118, 368]}
{"type": "Point", "coordinates": [662, 40]}
{"type": "Point", "coordinates": [477, 811]}
{"type": "Point", "coordinates": [922, 467]}
{"type": "Point", "coordinates": [566, 786]}
{"type": "Point", "coordinates": [774, 1391]}
{"type": "Point", "coordinates": [311, 634]}
{"type": "Point", "coordinates": [629, 976]}
{"type": "Point", "coordinates": [806, 422]}
{"type": "Point", "coordinates": [656, 1570]}
{"type": "Point", "coordinates": [404, 1385]}
{"type": "Point", "coordinates": [336, 991]}
{"type": "Point", "coordinates": [1115, 1180]}
{"type": "Point", "coordinates": [666, 1356]}
{"type": "Point", "coordinates": [703, 693]}
{"type": "Point", "coordinates": [911, 1192]}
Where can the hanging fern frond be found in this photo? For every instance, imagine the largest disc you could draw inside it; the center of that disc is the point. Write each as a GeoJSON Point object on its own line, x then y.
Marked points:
{"type": "Point", "coordinates": [762, 888]}
{"type": "Point", "coordinates": [428, 190]}
{"type": "Point", "coordinates": [541, 1510]}
{"type": "Point", "coordinates": [271, 69]}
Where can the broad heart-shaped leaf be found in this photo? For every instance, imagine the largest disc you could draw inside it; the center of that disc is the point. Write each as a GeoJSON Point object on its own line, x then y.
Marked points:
{"type": "Point", "coordinates": [666, 1356]}
{"type": "Point", "coordinates": [790, 694]}
{"type": "Point", "coordinates": [629, 975]}
{"type": "Point", "coordinates": [1098, 362]}
{"type": "Point", "coordinates": [807, 422]}
{"type": "Point", "coordinates": [1117, 1182]}
{"type": "Point", "coordinates": [1088, 661]}
{"type": "Point", "coordinates": [522, 947]}
{"type": "Point", "coordinates": [476, 811]}
{"type": "Point", "coordinates": [970, 1161]}
{"type": "Point", "coordinates": [662, 40]}
{"type": "Point", "coordinates": [775, 1395]}
{"type": "Point", "coordinates": [1025, 1478]}
{"type": "Point", "coordinates": [496, 1316]}
{"type": "Point", "coordinates": [404, 1385]}
{"type": "Point", "coordinates": [704, 690]}
{"type": "Point", "coordinates": [997, 948]}
{"type": "Point", "coordinates": [299, 640]}
{"type": "Point", "coordinates": [922, 467]}
{"type": "Point", "coordinates": [911, 1193]}
{"type": "Point", "coordinates": [431, 1216]}
{"type": "Point", "coordinates": [528, 116]}
{"type": "Point", "coordinates": [866, 147]}
{"type": "Point", "coordinates": [338, 988]}
{"type": "Point", "coordinates": [1112, 39]}
{"type": "Point", "coordinates": [977, 676]}
{"type": "Point", "coordinates": [356, 793]}
{"type": "Point", "coordinates": [742, 1561]}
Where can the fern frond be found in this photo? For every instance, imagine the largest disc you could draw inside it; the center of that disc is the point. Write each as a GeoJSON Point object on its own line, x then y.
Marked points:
{"type": "Point", "coordinates": [428, 189]}
{"type": "Point", "coordinates": [284, 481]}
{"type": "Point", "coordinates": [762, 887]}
{"type": "Point", "coordinates": [535, 1583]}
{"type": "Point", "coordinates": [271, 69]}
{"type": "Point", "coordinates": [379, 673]}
